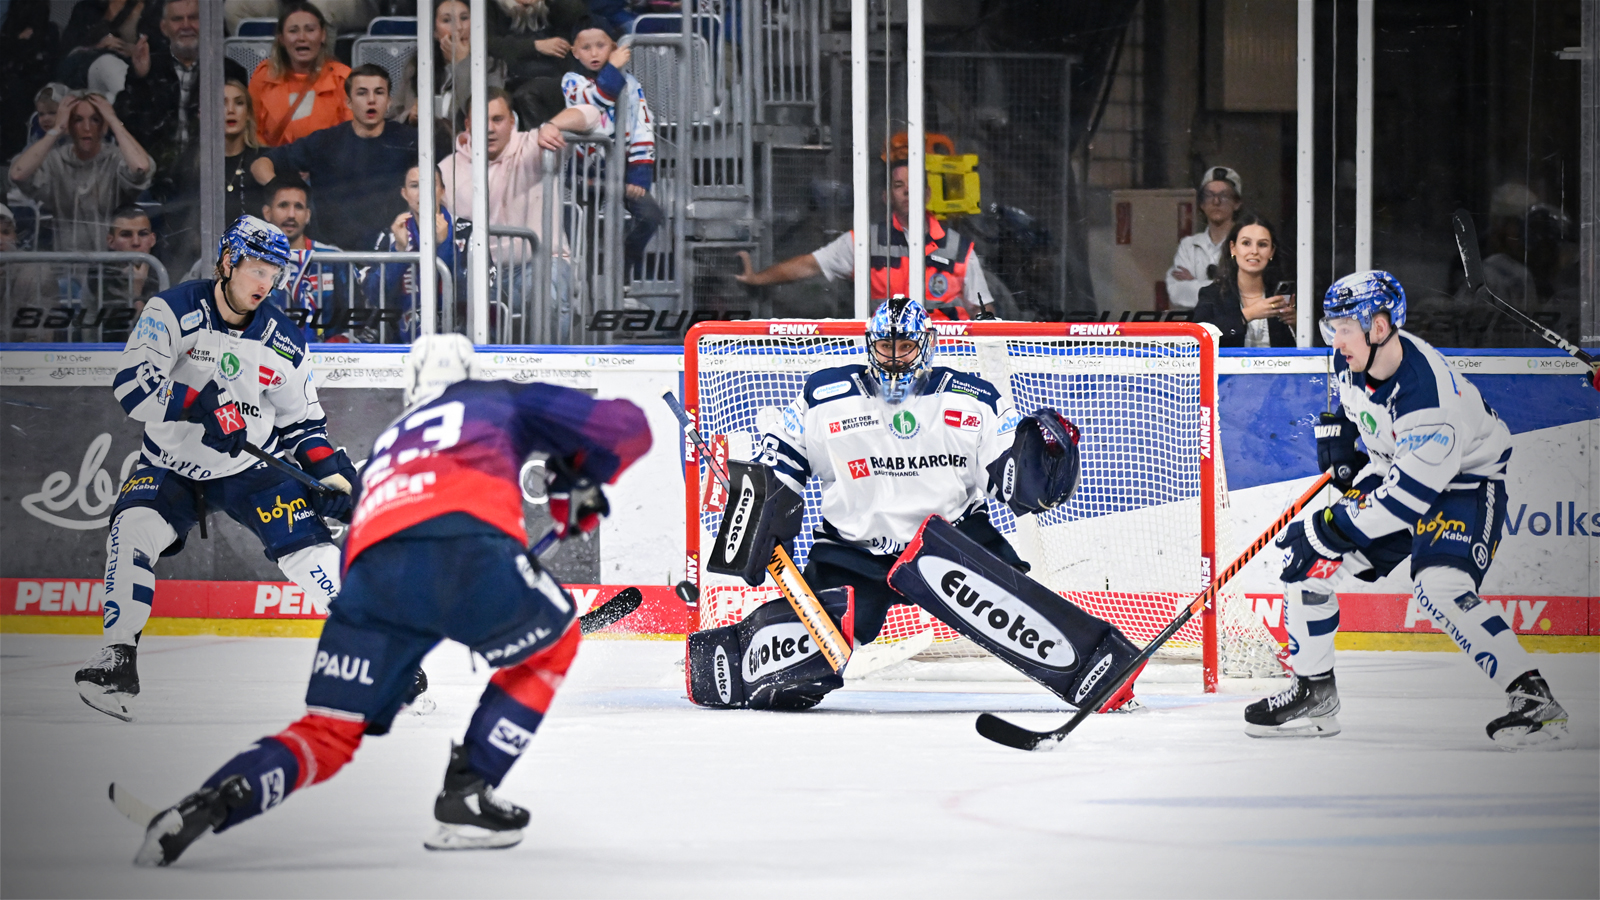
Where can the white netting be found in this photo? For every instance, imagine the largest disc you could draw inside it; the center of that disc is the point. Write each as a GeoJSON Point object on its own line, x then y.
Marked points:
{"type": "Point", "coordinates": [1126, 547]}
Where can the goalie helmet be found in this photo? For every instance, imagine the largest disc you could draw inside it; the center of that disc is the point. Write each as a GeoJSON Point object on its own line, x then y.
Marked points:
{"type": "Point", "coordinates": [256, 238]}
{"type": "Point", "coordinates": [435, 362]}
{"type": "Point", "coordinates": [1361, 296]}
{"type": "Point", "coordinates": [900, 319]}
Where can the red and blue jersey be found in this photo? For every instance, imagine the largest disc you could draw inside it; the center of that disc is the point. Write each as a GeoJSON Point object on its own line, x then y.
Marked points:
{"type": "Point", "coordinates": [463, 452]}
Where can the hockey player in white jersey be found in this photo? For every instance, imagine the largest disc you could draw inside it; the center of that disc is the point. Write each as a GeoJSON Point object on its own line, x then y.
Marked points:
{"type": "Point", "coordinates": [1430, 487]}
{"type": "Point", "coordinates": [896, 446]}
{"type": "Point", "coordinates": [210, 366]}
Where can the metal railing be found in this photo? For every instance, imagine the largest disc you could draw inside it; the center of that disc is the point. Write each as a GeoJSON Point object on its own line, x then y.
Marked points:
{"type": "Point", "coordinates": [47, 294]}
{"type": "Point", "coordinates": [380, 314]}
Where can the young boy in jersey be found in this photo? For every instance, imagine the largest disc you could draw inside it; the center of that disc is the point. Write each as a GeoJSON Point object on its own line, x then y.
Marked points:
{"type": "Point", "coordinates": [438, 550]}
{"type": "Point", "coordinates": [1431, 486]}
{"type": "Point", "coordinates": [601, 83]}
{"type": "Point", "coordinates": [894, 444]}
{"type": "Point", "coordinates": [210, 367]}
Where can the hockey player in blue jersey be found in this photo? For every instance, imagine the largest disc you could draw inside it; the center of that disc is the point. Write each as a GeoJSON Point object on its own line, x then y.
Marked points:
{"type": "Point", "coordinates": [209, 367]}
{"type": "Point", "coordinates": [906, 455]}
{"type": "Point", "coordinates": [1431, 487]}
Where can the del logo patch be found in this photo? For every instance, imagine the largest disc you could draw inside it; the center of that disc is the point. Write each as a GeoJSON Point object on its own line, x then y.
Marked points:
{"type": "Point", "coordinates": [270, 377]}
{"type": "Point", "coordinates": [966, 421]}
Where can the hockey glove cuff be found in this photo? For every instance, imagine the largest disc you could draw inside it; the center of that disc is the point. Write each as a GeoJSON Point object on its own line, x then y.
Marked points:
{"type": "Point", "coordinates": [224, 425]}
{"type": "Point", "coordinates": [334, 504]}
{"type": "Point", "coordinates": [1336, 448]}
{"type": "Point", "coordinates": [1313, 548]}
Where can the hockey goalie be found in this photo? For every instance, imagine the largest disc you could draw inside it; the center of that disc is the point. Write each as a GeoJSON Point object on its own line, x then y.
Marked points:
{"type": "Point", "coordinates": [907, 454]}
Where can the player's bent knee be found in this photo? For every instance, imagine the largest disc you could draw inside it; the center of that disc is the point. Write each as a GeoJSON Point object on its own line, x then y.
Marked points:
{"type": "Point", "coordinates": [767, 661]}
{"type": "Point", "coordinates": [321, 745]}
{"type": "Point", "coordinates": [533, 682]}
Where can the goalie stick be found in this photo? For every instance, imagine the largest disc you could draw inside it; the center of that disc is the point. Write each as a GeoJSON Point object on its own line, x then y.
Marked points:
{"type": "Point", "coordinates": [1002, 732]}
{"type": "Point", "coordinates": [835, 649]}
{"type": "Point", "coordinates": [1467, 246]}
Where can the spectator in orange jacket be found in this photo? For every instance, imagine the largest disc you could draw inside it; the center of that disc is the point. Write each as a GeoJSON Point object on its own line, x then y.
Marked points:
{"type": "Point", "coordinates": [300, 88]}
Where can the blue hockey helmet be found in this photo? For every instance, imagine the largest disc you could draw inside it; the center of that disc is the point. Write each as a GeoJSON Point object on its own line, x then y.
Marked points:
{"type": "Point", "coordinates": [1361, 296]}
{"type": "Point", "coordinates": [249, 236]}
{"type": "Point", "coordinates": [899, 319]}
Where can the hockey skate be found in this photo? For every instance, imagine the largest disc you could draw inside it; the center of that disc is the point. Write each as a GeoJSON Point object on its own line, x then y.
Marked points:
{"type": "Point", "coordinates": [470, 816]}
{"type": "Point", "coordinates": [174, 829]}
{"type": "Point", "coordinates": [110, 680]}
{"type": "Point", "coordinates": [1307, 708]}
{"type": "Point", "coordinates": [1534, 717]}
{"type": "Point", "coordinates": [418, 703]}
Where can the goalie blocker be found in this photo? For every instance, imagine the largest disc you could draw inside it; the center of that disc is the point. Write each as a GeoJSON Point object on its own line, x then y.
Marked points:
{"type": "Point", "coordinates": [1023, 623]}
{"type": "Point", "coordinates": [768, 661]}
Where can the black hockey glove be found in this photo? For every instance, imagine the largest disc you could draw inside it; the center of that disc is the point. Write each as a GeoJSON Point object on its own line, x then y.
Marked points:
{"type": "Point", "coordinates": [223, 422]}
{"type": "Point", "coordinates": [576, 502]}
{"type": "Point", "coordinates": [1042, 471]}
{"type": "Point", "coordinates": [1336, 448]}
{"type": "Point", "coordinates": [333, 469]}
{"type": "Point", "coordinates": [1314, 551]}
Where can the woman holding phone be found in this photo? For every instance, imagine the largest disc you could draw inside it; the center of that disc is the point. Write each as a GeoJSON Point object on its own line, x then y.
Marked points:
{"type": "Point", "coordinates": [1238, 302]}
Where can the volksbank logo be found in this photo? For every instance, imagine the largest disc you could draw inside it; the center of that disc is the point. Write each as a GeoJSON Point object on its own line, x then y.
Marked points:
{"type": "Point", "coordinates": [777, 647]}
{"type": "Point", "coordinates": [1566, 519]}
{"type": "Point", "coordinates": [999, 614]}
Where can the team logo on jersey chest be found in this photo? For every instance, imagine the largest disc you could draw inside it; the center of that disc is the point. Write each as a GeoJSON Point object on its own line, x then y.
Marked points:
{"type": "Point", "coordinates": [229, 366]}
{"type": "Point", "coordinates": [1368, 423]}
{"type": "Point", "coordinates": [904, 424]}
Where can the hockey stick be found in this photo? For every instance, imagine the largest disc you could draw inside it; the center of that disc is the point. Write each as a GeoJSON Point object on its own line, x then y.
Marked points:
{"type": "Point", "coordinates": [782, 569]}
{"type": "Point", "coordinates": [1002, 732]}
{"type": "Point", "coordinates": [612, 611]}
{"type": "Point", "coordinates": [1467, 246]}
{"type": "Point", "coordinates": [132, 808]}
{"type": "Point", "coordinates": [294, 472]}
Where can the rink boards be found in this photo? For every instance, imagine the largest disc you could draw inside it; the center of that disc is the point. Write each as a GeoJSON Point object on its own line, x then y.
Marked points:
{"type": "Point", "coordinates": [66, 446]}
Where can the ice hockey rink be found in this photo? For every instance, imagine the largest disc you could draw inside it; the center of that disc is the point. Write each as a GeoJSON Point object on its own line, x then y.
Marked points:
{"type": "Point", "coordinates": [884, 790]}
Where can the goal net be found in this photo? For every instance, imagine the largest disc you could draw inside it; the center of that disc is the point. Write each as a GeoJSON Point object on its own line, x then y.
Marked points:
{"type": "Point", "coordinates": [1141, 535]}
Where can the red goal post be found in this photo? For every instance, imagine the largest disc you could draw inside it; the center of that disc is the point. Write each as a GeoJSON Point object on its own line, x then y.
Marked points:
{"type": "Point", "coordinates": [1138, 539]}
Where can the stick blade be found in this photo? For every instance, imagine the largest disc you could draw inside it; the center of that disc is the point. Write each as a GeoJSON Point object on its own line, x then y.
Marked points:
{"type": "Point", "coordinates": [132, 808]}
{"type": "Point", "coordinates": [1466, 235]}
{"type": "Point", "coordinates": [1015, 736]}
{"type": "Point", "coordinates": [612, 611]}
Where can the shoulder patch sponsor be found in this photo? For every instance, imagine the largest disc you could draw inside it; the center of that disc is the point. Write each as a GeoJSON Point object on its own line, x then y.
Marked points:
{"type": "Point", "coordinates": [793, 422]}
{"type": "Point", "coordinates": [1430, 445]}
{"type": "Point", "coordinates": [1009, 423]}
{"type": "Point", "coordinates": [964, 420]}
{"type": "Point", "coordinates": [191, 321]}
{"type": "Point", "coordinates": [831, 390]}
{"type": "Point", "coordinates": [849, 424]}
{"type": "Point", "coordinates": [283, 345]}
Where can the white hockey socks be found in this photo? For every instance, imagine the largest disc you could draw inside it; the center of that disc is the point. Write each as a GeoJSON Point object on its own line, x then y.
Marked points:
{"type": "Point", "coordinates": [1312, 619]}
{"type": "Point", "coordinates": [1449, 596]}
{"type": "Point", "coordinates": [138, 535]}
{"type": "Point", "coordinates": [316, 570]}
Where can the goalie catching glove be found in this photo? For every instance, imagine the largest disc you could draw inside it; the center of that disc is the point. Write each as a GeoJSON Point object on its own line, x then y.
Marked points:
{"type": "Point", "coordinates": [1042, 471]}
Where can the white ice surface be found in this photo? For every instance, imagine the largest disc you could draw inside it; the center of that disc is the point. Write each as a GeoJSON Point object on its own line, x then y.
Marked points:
{"type": "Point", "coordinates": [885, 790]}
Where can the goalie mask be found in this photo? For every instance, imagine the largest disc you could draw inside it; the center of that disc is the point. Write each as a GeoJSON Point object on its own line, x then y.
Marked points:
{"type": "Point", "coordinates": [900, 346]}
{"type": "Point", "coordinates": [436, 362]}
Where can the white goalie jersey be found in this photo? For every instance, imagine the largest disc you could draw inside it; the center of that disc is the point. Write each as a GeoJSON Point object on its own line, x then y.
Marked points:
{"type": "Point", "coordinates": [884, 468]}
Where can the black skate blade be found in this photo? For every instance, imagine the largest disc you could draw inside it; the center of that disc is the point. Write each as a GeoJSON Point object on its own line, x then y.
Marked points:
{"type": "Point", "coordinates": [612, 611]}
{"type": "Point", "coordinates": [1015, 736]}
{"type": "Point", "coordinates": [119, 712]}
{"type": "Point", "coordinates": [132, 808]}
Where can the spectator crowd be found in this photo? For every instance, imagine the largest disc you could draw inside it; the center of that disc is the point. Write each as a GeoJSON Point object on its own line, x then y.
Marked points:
{"type": "Point", "coordinates": [100, 128]}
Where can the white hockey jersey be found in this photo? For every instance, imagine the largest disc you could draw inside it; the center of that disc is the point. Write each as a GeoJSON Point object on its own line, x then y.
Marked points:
{"type": "Point", "coordinates": [883, 467]}
{"type": "Point", "coordinates": [181, 342]}
{"type": "Point", "coordinates": [1426, 429]}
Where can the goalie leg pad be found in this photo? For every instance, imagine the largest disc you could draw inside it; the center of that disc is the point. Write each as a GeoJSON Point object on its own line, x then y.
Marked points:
{"type": "Point", "coordinates": [767, 661]}
{"type": "Point", "coordinates": [1023, 623]}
